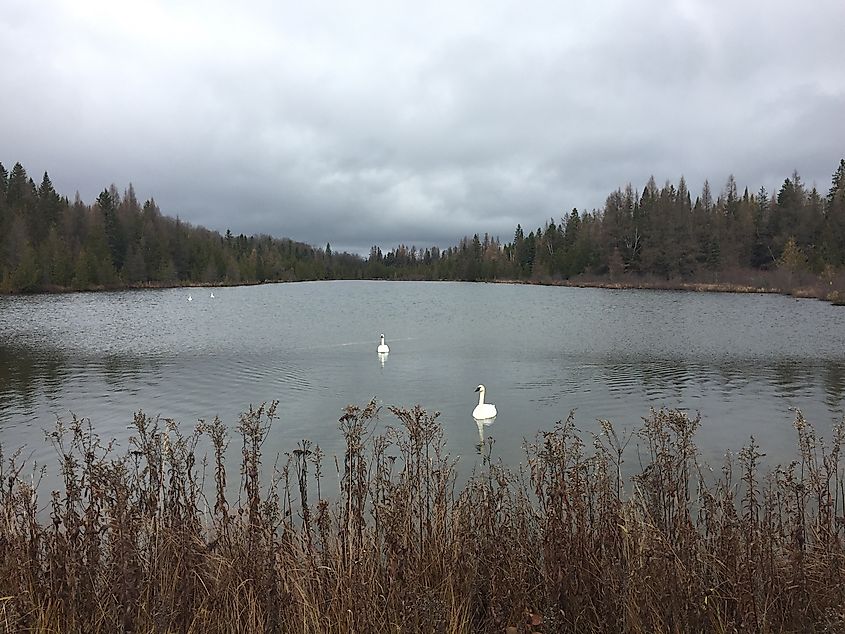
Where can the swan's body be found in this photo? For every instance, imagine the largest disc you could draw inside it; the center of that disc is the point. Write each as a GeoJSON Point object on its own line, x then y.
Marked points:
{"type": "Point", "coordinates": [382, 347]}
{"type": "Point", "coordinates": [483, 410]}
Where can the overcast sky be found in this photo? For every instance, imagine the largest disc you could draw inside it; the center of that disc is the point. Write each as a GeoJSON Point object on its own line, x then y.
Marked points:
{"type": "Point", "coordinates": [366, 122]}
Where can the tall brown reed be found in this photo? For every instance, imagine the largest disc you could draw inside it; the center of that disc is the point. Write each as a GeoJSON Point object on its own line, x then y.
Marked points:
{"type": "Point", "coordinates": [570, 542]}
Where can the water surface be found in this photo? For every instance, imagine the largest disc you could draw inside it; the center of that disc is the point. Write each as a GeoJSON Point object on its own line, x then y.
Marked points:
{"type": "Point", "coordinates": [742, 361]}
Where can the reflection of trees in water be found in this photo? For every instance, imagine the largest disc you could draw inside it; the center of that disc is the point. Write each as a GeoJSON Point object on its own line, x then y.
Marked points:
{"type": "Point", "coordinates": [736, 373]}
{"type": "Point", "coordinates": [27, 372]}
{"type": "Point", "coordinates": [833, 377]}
{"type": "Point", "coordinates": [790, 376]}
{"type": "Point", "coordinates": [671, 376]}
{"type": "Point", "coordinates": [120, 369]}
{"type": "Point", "coordinates": [668, 375]}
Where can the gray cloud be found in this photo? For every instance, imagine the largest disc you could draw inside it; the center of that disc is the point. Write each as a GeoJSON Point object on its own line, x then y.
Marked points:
{"type": "Point", "coordinates": [392, 122]}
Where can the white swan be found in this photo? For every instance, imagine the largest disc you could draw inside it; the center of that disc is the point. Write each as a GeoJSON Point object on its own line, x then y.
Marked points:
{"type": "Point", "coordinates": [483, 410]}
{"type": "Point", "coordinates": [212, 294]}
{"type": "Point", "coordinates": [190, 299]}
{"type": "Point", "coordinates": [382, 347]}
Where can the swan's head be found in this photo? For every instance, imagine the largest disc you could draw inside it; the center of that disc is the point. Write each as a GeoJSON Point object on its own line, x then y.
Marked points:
{"type": "Point", "coordinates": [480, 388]}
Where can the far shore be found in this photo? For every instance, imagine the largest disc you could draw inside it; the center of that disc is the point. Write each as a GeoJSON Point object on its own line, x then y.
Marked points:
{"type": "Point", "coordinates": [805, 288]}
{"type": "Point", "coordinates": [816, 290]}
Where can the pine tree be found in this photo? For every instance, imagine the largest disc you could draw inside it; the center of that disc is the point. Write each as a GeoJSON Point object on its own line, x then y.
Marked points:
{"type": "Point", "coordinates": [837, 183]}
{"type": "Point", "coordinates": [4, 214]}
{"type": "Point", "coordinates": [731, 198]}
{"type": "Point", "coordinates": [707, 197]}
{"type": "Point", "coordinates": [115, 239]}
{"type": "Point", "coordinates": [834, 222]}
{"type": "Point", "coordinates": [18, 190]}
{"type": "Point", "coordinates": [47, 209]}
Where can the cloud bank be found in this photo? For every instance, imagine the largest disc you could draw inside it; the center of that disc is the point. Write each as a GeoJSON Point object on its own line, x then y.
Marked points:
{"type": "Point", "coordinates": [387, 122]}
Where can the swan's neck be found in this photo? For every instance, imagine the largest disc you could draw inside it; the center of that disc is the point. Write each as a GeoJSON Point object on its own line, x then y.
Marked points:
{"type": "Point", "coordinates": [481, 397]}
{"type": "Point", "coordinates": [381, 340]}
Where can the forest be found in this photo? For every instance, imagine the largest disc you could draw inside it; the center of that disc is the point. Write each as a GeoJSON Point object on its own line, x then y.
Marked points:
{"type": "Point", "coordinates": [793, 237]}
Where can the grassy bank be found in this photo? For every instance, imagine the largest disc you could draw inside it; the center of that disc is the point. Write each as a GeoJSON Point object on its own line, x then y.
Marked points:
{"type": "Point", "coordinates": [829, 288]}
{"type": "Point", "coordinates": [132, 542]}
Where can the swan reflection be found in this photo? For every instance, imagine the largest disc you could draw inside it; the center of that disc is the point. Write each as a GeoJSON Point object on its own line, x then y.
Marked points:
{"type": "Point", "coordinates": [382, 357]}
{"type": "Point", "coordinates": [482, 423]}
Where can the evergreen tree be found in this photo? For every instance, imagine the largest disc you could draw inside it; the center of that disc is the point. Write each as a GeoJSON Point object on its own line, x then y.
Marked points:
{"type": "Point", "coordinates": [706, 197]}
{"type": "Point", "coordinates": [17, 186]}
{"type": "Point", "coordinates": [115, 240]}
{"type": "Point", "coordinates": [837, 182]}
{"type": "Point", "coordinates": [834, 222]}
{"type": "Point", "coordinates": [48, 208]}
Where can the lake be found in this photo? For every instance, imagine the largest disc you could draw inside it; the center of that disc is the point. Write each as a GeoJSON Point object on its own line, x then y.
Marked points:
{"type": "Point", "coordinates": [742, 361]}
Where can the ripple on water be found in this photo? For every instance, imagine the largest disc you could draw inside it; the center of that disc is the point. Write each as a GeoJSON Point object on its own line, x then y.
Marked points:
{"type": "Point", "coordinates": [742, 360]}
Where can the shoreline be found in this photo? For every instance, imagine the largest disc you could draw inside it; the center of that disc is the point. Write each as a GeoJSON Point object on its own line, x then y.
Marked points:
{"type": "Point", "coordinates": [812, 290]}
{"type": "Point", "coordinates": [835, 297]}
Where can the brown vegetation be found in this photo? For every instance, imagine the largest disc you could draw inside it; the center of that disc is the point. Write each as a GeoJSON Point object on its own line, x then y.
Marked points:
{"type": "Point", "coordinates": [133, 543]}
{"type": "Point", "coordinates": [828, 287]}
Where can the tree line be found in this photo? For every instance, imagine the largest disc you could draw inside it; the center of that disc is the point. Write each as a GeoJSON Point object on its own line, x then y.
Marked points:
{"type": "Point", "coordinates": [662, 232]}
{"type": "Point", "coordinates": [48, 242]}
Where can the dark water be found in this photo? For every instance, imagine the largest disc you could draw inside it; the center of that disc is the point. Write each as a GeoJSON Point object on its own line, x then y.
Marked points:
{"type": "Point", "coordinates": [741, 360]}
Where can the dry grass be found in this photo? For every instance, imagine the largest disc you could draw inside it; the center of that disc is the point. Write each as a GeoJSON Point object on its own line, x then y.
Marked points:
{"type": "Point", "coordinates": [829, 286]}
{"type": "Point", "coordinates": [387, 542]}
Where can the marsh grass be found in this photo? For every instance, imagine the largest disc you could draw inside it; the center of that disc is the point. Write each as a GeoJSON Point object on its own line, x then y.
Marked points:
{"type": "Point", "coordinates": [381, 538]}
